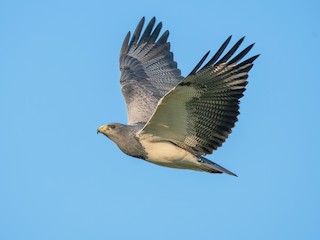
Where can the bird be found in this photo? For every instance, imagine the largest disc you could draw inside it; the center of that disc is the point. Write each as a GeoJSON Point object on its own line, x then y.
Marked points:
{"type": "Point", "coordinates": [175, 121]}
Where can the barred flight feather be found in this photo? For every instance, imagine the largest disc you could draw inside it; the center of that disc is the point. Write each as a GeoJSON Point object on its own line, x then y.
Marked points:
{"type": "Point", "coordinates": [205, 105]}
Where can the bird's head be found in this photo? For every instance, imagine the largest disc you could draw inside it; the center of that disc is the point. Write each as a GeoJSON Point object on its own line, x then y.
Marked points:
{"type": "Point", "coordinates": [111, 130]}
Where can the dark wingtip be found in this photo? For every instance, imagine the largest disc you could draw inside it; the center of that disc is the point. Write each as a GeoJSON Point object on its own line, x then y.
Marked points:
{"type": "Point", "coordinates": [146, 34]}
{"type": "Point", "coordinates": [229, 38]}
{"type": "Point", "coordinates": [154, 35]}
{"type": "Point", "coordinates": [199, 64]}
{"type": "Point", "coordinates": [248, 61]}
{"type": "Point", "coordinates": [226, 57]}
{"type": "Point", "coordinates": [241, 54]}
{"type": "Point", "coordinates": [164, 37]}
{"type": "Point", "coordinates": [124, 47]}
{"type": "Point", "coordinates": [218, 53]}
{"type": "Point", "coordinates": [137, 32]}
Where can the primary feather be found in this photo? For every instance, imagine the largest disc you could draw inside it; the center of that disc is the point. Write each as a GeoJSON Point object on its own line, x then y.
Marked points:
{"type": "Point", "coordinates": [148, 71]}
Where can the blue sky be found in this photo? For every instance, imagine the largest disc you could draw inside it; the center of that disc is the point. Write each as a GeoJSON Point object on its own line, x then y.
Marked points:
{"type": "Point", "coordinates": [59, 80]}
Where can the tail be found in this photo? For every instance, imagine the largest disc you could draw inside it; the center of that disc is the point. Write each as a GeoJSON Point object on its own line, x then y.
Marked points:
{"type": "Point", "coordinates": [213, 167]}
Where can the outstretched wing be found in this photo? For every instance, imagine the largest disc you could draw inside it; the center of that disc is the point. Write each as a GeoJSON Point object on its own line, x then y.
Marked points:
{"type": "Point", "coordinates": [148, 71]}
{"type": "Point", "coordinates": [200, 111]}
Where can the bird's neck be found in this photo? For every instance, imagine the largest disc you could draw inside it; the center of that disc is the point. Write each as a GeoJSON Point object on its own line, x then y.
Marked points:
{"type": "Point", "coordinates": [129, 143]}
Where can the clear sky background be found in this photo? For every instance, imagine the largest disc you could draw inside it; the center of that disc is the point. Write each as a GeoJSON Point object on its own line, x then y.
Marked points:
{"type": "Point", "coordinates": [59, 81]}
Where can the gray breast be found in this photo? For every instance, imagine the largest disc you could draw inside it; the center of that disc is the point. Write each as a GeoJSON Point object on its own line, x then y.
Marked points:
{"type": "Point", "coordinates": [129, 144]}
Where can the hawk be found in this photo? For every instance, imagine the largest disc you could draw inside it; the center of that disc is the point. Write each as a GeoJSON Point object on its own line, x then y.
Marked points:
{"type": "Point", "coordinates": [174, 121]}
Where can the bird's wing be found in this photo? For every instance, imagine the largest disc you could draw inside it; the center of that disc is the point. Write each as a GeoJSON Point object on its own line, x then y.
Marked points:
{"type": "Point", "coordinates": [200, 111]}
{"type": "Point", "coordinates": [148, 70]}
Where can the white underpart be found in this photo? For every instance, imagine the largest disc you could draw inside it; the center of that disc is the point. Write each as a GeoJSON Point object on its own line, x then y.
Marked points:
{"type": "Point", "coordinates": [165, 153]}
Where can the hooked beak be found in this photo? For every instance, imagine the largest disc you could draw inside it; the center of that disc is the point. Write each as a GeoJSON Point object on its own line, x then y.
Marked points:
{"type": "Point", "coordinates": [101, 129]}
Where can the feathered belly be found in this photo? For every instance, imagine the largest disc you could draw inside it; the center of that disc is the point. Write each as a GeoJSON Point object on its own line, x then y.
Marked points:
{"type": "Point", "coordinates": [167, 154]}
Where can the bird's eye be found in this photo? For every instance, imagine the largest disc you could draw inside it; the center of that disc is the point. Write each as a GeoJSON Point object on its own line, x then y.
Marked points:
{"type": "Point", "coordinates": [112, 126]}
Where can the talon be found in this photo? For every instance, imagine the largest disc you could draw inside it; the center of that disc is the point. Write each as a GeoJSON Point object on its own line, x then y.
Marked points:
{"type": "Point", "coordinates": [200, 160]}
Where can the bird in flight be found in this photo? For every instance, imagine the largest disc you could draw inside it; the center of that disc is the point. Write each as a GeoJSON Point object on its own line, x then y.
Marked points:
{"type": "Point", "coordinates": [174, 121]}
